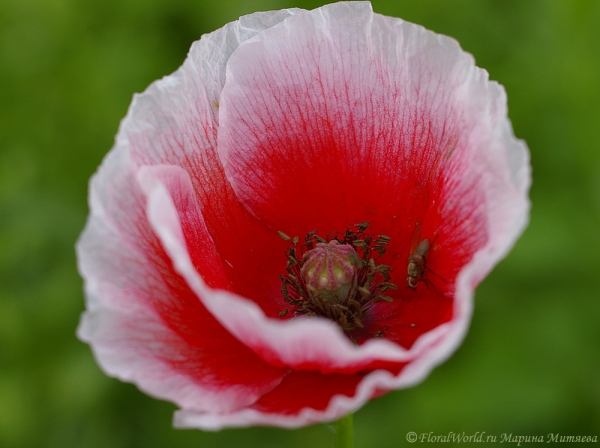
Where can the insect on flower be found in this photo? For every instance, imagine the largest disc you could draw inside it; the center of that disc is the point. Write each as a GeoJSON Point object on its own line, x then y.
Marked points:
{"type": "Point", "coordinates": [416, 264]}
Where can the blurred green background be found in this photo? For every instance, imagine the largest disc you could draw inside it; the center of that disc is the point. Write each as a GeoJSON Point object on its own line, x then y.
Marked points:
{"type": "Point", "coordinates": [531, 361]}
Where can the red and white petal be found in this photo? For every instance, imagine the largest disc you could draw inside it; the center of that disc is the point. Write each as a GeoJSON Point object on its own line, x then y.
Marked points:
{"type": "Point", "coordinates": [142, 321]}
{"type": "Point", "coordinates": [326, 115]}
{"type": "Point", "coordinates": [303, 398]}
{"type": "Point", "coordinates": [339, 115]}
{"type": "Point", "coordinates": [146, 326]}
{"type": "Point", "coordinates": [175, 122]}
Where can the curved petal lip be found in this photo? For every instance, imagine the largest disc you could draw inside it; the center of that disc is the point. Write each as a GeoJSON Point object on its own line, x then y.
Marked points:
{"type": "Point", "coordinates": [307, 344]}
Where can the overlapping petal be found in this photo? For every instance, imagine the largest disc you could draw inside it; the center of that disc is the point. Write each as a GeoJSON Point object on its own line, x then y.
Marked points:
{"type": "Point", "coordinates": [142, 320]}
{"type": "Point", "coordinates": [294, 120]}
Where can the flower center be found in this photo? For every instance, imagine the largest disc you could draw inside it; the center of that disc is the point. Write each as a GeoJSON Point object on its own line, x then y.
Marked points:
{"type": "Point", "coordinates": [336, 277]}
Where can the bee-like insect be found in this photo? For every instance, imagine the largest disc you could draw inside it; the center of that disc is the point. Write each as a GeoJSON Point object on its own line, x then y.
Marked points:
{"type": "Point", "coordinates": [416, 264]}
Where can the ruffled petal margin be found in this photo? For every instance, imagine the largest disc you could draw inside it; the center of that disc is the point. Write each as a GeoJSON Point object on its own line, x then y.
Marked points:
{"type": "Point", "coordinates": [167, 310]}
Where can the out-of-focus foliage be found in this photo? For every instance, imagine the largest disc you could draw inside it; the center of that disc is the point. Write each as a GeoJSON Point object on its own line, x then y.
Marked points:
{"type": "Point", "coordinates": [530, 363]}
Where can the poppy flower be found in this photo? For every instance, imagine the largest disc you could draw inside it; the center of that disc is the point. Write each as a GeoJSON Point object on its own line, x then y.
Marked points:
{"type": "Point", "coordinates": [294, 222]}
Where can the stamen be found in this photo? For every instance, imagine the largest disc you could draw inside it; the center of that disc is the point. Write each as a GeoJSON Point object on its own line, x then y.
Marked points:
{"type": "Point", "coordinates": [336, 277]}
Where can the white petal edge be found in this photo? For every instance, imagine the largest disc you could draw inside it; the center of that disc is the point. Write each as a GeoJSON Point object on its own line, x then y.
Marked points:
{"type": "Point", "coordinates": [108, 304]}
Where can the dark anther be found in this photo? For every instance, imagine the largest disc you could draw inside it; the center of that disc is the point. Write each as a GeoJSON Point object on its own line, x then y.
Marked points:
{"type": "Point", "coordinates": [353, 253]}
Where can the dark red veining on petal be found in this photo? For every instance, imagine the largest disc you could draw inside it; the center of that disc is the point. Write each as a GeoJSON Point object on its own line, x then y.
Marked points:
{"type": "Point", "coordinates": [408, 196]}
{"type": "Point", "coordinates": [237, 238]}
{"type": "Point", "coordinates": [324, 164]}
{"type": "Point", "coordinates": [408, 208]}
{"type": "Point", "coordinates": [319, 155]}
{"type": "Point", "coordinates": [244, 243]}
{"type": "Point", "coordinates": [205, 351]}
